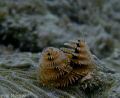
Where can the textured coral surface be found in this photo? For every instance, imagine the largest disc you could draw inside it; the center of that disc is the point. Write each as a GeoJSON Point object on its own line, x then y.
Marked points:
{"type": "Point", "coordinates": [18, 76]}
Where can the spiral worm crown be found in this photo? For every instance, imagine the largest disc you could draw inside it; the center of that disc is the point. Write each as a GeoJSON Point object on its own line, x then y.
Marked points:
{"type": "Point", "coordinates": [81, 58]}
{"type": "Point", "coordinates": [53, 67]}
{"type": "Point", "coordinates": [57, 68]}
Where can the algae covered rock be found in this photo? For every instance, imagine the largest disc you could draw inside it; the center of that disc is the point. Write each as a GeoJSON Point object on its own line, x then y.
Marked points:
{"type": "Point", "coordinates": [18, 77]}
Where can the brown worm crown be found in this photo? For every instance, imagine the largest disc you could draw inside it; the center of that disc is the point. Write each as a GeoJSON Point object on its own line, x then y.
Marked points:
{"type": "Point", "coordinates": [60, 68]}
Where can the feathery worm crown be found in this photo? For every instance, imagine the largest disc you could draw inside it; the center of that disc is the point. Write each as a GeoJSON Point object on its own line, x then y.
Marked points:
{"type": "Point", "coordinates": [80, 53]}
{"type": "Point", "coordinates": [50, 53]}
{"type": "Point", "coordinates": [57, 68]}
{"type": "Point", "coordinates": [53, 66]}
{"type": "Point", "coordinates": [52, 58]}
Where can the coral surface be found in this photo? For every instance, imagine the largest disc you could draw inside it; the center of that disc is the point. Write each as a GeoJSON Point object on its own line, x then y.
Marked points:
{"type": "Point", "coordinates": [18, 76]}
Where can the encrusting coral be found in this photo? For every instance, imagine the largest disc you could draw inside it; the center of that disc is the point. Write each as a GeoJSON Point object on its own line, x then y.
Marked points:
{"type": "Point", "coordinates": [18, 78]}
{"type": "Point", "coordinates": [57, 68]}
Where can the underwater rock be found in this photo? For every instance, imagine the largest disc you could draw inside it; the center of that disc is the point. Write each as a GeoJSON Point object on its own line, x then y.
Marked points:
{"type": "Point", "coordinates": [18, 77]}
